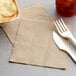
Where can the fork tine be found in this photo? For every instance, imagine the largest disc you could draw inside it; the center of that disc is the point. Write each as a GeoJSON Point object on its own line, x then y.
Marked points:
{"type": "Point", "coordinates": [60, 22]}
{"type": "Point", "coordinates": [64, 24]}
{"type": "Point", "coordinates": [57, 27]}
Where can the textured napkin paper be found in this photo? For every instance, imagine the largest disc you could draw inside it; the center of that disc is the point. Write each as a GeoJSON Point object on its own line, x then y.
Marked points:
{"type": "Point", "coordinates": [31, 36]}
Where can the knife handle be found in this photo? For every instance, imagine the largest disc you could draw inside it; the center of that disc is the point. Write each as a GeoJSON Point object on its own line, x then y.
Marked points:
{"type": "Point", "coordinates": [72, 53]}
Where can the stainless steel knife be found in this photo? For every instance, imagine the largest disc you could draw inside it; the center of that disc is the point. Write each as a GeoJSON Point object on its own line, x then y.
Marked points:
{"type": "Point", "coordinates": [63, 46]}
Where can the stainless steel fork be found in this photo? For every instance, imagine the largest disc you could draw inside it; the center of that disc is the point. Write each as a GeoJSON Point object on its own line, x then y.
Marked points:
{"type": "Point", "coordinates": [64, 31]}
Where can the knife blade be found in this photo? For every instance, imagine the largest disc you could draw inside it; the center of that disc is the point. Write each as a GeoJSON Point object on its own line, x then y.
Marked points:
{"type": "Point", "coordinates": [63, 46]}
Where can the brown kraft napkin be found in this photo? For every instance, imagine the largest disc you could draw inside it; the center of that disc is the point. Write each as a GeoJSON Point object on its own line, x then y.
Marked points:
{"type": "Point", "coordinates": [10, 28]}
{"type": "Point", "coordinates": [33, 43]}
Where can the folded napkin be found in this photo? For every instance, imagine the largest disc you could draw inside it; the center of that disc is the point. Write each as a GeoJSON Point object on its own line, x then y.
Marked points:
{"type": "Point", "coordinates": [10, 29]}
{"type": "Point", "coordinates": [31, 36]}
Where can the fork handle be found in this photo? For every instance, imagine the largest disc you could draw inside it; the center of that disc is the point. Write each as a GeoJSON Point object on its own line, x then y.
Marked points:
{"type": "Point", "coordinates": [73, 40]}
